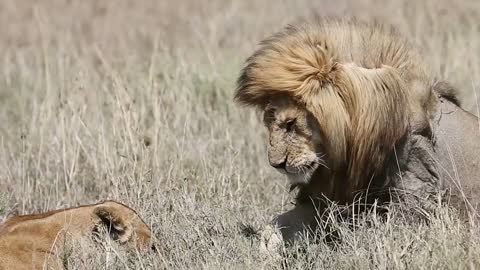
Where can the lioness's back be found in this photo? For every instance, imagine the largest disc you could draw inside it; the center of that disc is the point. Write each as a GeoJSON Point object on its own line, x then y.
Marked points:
{"type": "Point", "coordinates": [32, 241]}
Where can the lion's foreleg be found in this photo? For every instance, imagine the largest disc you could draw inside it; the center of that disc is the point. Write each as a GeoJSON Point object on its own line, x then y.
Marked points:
{"type": "Point", "coordinates": [294, 223]}
{"type": "Point", "coordinates": [288, 227]}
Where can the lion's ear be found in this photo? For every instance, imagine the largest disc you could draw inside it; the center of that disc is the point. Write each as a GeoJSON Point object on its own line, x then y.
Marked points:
{"type": "Point", "coordinates": [447, 91]}
{"type": "Point", "coordinates": [115, 222]}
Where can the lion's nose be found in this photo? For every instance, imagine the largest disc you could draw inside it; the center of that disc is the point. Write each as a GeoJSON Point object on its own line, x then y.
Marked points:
{"type": "Point", "coordinates": [279, 165]}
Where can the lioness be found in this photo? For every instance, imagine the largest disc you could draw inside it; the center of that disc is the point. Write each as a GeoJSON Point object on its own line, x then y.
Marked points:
{"type": "Point", "coordinates": [354, 115]}
{"type": "Point", "coordinates": [36, 241]}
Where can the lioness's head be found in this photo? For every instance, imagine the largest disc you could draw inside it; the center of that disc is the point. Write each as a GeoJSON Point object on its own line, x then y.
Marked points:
{"type": "Point", "coordinates": [295, 140]}
{"type": "Point", "coordinates": [337, 96]}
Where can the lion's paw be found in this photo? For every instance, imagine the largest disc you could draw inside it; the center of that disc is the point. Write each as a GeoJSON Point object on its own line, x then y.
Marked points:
{"type": "Point", "coordinates": [271, 241]}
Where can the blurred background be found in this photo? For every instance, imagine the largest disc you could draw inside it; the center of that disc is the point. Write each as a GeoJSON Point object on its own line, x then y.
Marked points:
{"type": "Point", "coordinates": [217, 32]}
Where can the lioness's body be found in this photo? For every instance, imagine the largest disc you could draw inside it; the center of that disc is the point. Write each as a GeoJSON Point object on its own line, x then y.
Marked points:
{"type": "Point", "coordinates": [34, 241]}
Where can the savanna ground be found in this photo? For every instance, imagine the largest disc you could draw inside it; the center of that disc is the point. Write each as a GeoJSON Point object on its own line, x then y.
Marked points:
{"type": "Point", "coordinates": [132, 101]}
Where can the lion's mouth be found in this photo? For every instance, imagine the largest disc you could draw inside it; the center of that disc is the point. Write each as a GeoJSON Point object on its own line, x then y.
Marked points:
{"type": "Point", "coordinates": [301, 175]}
{"type": "Point", "coordinates": [298, 179]}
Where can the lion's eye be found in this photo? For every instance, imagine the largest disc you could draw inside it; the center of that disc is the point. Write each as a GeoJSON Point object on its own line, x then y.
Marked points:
{"type": "Point", "coordinates": [290, 125]}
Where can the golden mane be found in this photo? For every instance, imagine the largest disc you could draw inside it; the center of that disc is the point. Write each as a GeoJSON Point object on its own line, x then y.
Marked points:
{"type": "Point", "coordinates": [363, 82]}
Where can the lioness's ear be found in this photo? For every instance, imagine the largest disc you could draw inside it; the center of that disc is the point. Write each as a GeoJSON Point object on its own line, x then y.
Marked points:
{"type": "Point", "coordinates": [116, 223]}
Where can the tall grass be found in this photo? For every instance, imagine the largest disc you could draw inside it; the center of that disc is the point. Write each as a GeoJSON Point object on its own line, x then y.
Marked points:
{"type": "Point", "coordinates": [132, 101]}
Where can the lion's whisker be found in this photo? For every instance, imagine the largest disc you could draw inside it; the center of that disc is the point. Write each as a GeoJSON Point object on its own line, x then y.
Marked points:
{"type": "Point", "coordinates": [321, 163]}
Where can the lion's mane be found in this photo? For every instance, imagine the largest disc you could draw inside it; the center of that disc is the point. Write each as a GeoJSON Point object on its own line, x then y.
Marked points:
{"type": "Point", "coordinates": [364, 84]}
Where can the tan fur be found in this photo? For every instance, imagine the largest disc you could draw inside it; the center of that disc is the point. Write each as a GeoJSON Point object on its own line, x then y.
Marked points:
{"type": "Point", "coordinates": [362, 82]}
{"type": "Point", "coordinates": [35, 241]}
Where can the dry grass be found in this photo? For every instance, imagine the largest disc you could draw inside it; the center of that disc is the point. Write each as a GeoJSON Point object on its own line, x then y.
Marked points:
{"type": "Point", "coordinates": [132, 100]}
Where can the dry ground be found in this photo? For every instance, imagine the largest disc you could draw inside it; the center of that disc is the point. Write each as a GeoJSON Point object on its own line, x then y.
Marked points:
{"type": "Point", "coordinates": [132, 100]}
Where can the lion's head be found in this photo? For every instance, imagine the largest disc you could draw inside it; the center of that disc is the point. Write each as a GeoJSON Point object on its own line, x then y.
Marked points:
{"type": "Point", "coordinates": [337, 97]}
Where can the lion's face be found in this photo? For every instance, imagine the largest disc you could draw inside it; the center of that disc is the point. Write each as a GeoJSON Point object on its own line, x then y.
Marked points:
{"type": "Point", "coordinates": [295, 141]}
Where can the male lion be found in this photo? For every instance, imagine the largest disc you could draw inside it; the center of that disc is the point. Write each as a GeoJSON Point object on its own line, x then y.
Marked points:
{"type": "Point", "coordinates": [37, 241]}
{"type": "Point", "coordinates": [353, 113]}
